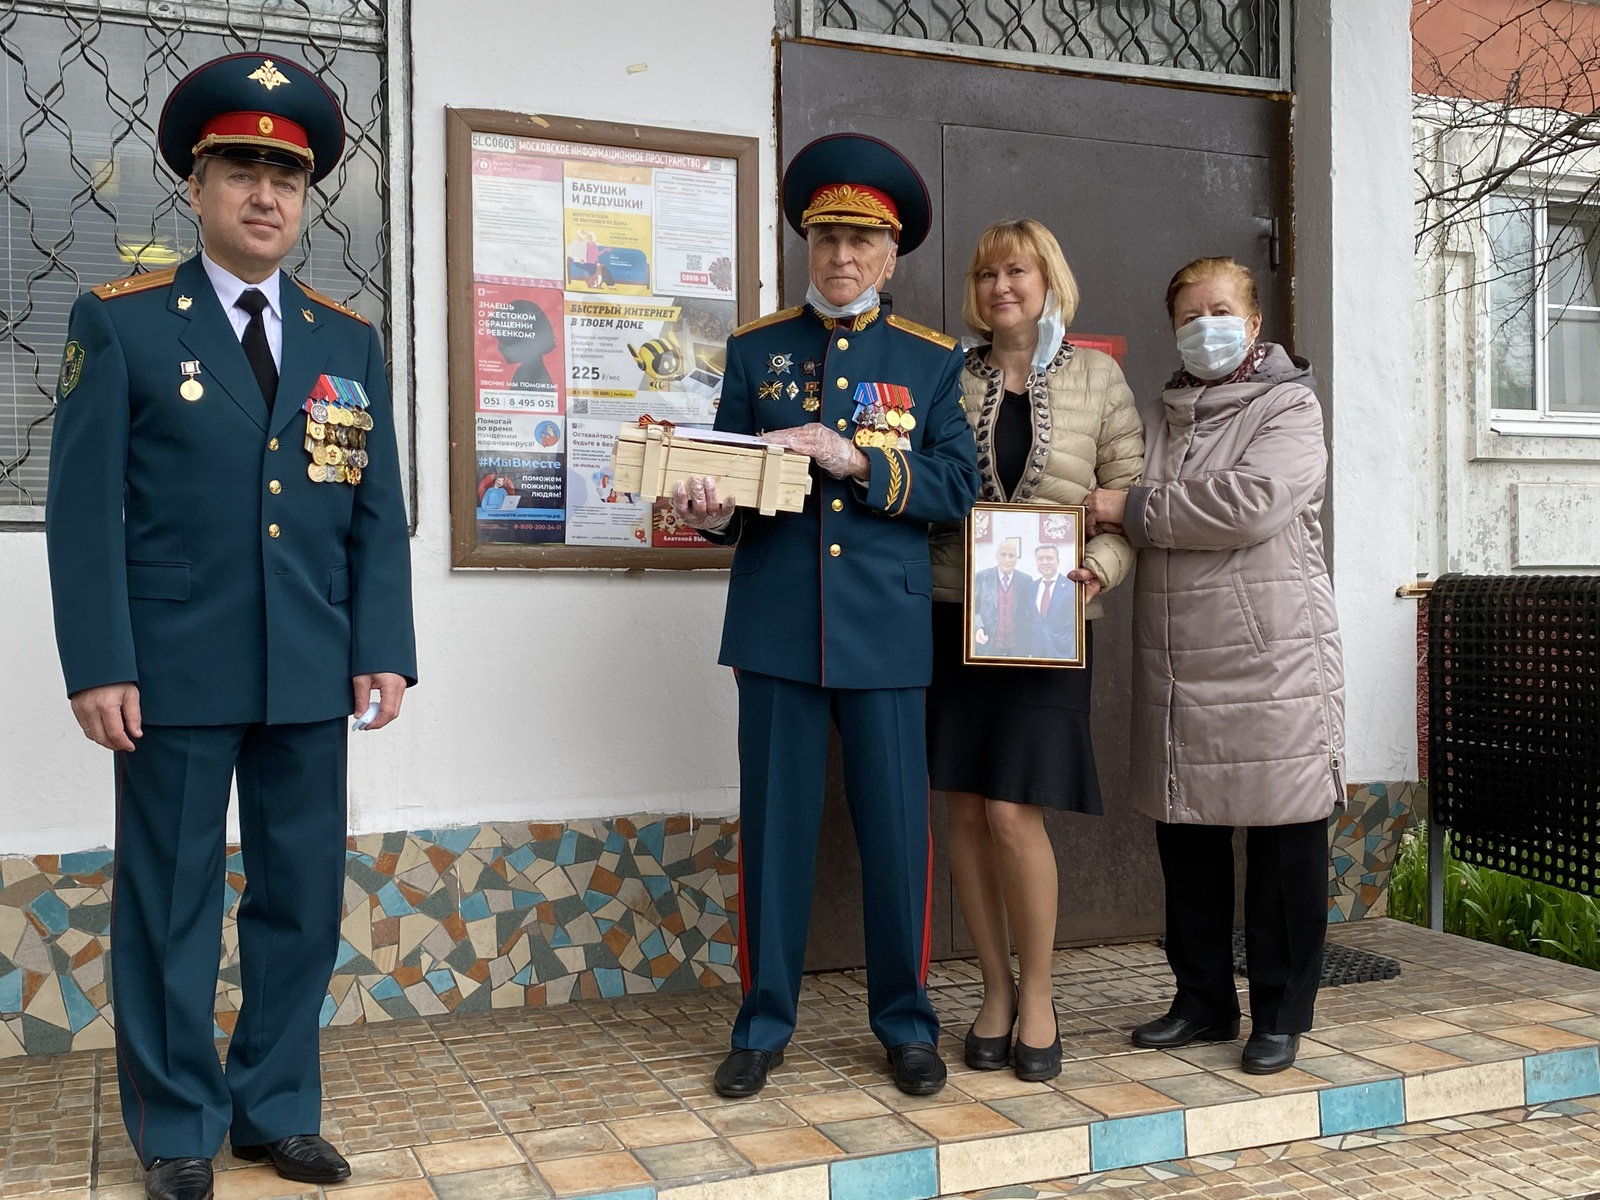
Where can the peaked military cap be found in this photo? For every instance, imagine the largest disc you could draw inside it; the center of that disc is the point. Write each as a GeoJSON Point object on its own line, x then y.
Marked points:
{"type": "Point", "coordinates": [853, 179]}
{"type": "Point", "coordinates": [254, 106]}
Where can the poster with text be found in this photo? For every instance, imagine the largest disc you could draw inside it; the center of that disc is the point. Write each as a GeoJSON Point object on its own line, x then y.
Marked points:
{"type": "Point", "coordinates": [516, 217]}
{"type": "Point", "coordinates": [518, 333]}
{"type": "Point", "coordinates": [608, 228]}
{"type": "Point", "coordinates": [604, 291]}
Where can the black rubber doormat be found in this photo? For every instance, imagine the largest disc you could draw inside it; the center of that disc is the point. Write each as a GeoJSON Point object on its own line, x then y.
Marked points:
{"type": "Point", "coordinates": [1340, 964]}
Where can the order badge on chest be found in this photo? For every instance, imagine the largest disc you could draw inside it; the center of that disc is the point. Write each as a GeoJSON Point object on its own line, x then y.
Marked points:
{"type": "Point", "coordinates": [337, 422]}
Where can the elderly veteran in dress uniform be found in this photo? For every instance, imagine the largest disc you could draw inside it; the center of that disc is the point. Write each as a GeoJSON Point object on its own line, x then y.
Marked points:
{"type": "Point", "coordinates": [231, 578]}
{"type": "Point", "coordinates": [828, 612]}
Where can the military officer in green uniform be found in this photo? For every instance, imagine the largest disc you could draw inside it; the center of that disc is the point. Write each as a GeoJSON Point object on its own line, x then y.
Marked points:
{"type": "Point", "coordinates": [231, 579]}
{"type": "Point", "coordinates": [829, 609]}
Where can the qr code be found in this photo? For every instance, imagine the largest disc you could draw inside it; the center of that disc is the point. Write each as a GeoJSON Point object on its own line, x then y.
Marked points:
{"type": "Point", "coordinates": [692, 262]}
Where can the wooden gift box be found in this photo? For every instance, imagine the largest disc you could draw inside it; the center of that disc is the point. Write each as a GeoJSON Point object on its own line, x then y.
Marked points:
{"type": "Point", "coordinates": [651, 462]}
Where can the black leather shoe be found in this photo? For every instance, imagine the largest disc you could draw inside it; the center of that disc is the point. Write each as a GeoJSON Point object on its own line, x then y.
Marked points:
{"type": "Point", "coordinates": [1169, 1033]}
{"type": "Point", "coordinates": [1035, 1065]}
{"type": "Point", "coordinates": [987, 1053]}
{"type": "Point", "coordinates": [1269, 1053]}
{"type": "Point", "coordinates": [302, 1157]}
{"type": "Point", "coordinates": [178, 1179]}
{"type": "Point", "coordinates": [918, 1069]}
{"type": "Point", "coordinates": [744, 1072]}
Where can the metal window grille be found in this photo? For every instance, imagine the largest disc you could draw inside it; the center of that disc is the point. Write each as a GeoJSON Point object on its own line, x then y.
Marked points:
{"type": "Point", "coordinates": [1243, 43]}
{"type": "Point", "coordinates": [86, 197]}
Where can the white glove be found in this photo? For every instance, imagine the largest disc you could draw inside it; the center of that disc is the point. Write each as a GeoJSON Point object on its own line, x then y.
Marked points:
{"type": "Point", "coordinates": [836, 455]}
{"type": "Point", "coordinates": [695, 504]}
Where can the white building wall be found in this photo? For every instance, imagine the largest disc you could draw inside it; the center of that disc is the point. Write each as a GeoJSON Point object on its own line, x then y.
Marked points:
{"type": "Point", "coordinates": [1353, 320]}
{"type": "Point", "coordinates": [1489, 502]}
{"type": "Point", "coordinates": [553, 695]}
{"type": "Point", "coordinates": [545, 695]}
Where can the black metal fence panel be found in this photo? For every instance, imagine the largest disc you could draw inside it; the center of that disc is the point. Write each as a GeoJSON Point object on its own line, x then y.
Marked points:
{"type": "Point", "coordinates": [1514, 723]}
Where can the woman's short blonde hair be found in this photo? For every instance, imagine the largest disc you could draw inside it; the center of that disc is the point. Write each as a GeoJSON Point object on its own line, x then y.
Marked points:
{"type": "Point", "coordinates": [1026, 239]}
{"type": "Point", "coordinates": [1222, 267]}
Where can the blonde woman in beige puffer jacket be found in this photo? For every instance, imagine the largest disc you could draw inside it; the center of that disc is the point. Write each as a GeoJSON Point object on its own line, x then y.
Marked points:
{"type": "Point", "coordinates": [1007, 742]}
{"type": "Point", "coordinates": [1238, 679]}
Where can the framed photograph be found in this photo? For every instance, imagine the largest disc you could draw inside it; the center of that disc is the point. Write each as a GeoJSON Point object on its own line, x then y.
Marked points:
{"type": "Point", "coordinates": [1021, 609]}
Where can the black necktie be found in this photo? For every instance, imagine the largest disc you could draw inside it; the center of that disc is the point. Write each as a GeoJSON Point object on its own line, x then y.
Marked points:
{"type": "Point", "coordinates": [255, 345]}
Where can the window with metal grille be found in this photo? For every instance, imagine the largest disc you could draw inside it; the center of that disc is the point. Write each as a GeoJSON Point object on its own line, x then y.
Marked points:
{"type": "Point", "coordinates": [87, 198]}
{"type": "Point", "coordinates": [1244, 41]}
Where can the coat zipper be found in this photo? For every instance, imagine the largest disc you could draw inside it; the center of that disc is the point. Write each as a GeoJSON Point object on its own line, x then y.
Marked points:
{"type": "Point", "coordinates": [1335, 756]}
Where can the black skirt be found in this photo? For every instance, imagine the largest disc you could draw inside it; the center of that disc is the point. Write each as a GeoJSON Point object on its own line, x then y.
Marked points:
{"type": "Point", "coordinates": [1010, 733]}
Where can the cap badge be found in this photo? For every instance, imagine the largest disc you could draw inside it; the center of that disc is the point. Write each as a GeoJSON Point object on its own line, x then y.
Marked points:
{"type": "Point", "coordinates": [264, 124]}
{"type": "Point", "coordinates": [306, 313]}
{"type": "Point", "coordinates": [268, 75]}
{"type": "Point", "coordinates": [183, 303]}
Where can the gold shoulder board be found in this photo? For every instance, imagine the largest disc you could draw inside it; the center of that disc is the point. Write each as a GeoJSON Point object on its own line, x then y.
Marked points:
{"type": "Point", "coordinates": [783, 314]}
{"type": "Point", "coordinates": [923, 331]}
{"type": "Point", "coordinates": [135, 283]}
{"type": "Point", "coordinates": [330, 302]}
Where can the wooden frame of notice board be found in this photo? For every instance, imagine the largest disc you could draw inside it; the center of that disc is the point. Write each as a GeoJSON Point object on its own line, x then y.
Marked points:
{"type": "Point", "coordinates": [594, 272]}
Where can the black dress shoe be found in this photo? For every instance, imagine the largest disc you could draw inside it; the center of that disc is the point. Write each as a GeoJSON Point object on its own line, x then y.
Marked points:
{"type": "Point", "coordinates": [1035, 1065]}
{"type": "Point", "coordinates": [302, 1157]}
{"type": "Point", "coordinates": [1168, 1033]}
{"type": "Point", "coordinates": [918, 1069]}
{"type": "Point", "coordinates": [987, 1053]}
{"type": "Point", "coordinates": [1269, 1053]}
{"type": "Point", "coordinates": [744, 1072]}
{"type": "Point", "coordinates": [178, 1179]}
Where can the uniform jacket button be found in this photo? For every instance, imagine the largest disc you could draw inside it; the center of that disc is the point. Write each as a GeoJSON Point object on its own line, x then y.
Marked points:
{"type": "Point", "coordinates": [838, 506]}
{"type": "Point", "coordinates": [834, 550]}
{"type": "Point", "coordinates": [843, 343]}
{"type": "Point", "coordinates": [273, 444]}
{"type": "Point", "coordinates": [841, 423]}
{"type": "Point", "coordinates": [842, 383]}
{"type": "Point", "coordinates": [273, 531]}
{"type": "Point", "coordinates": [274, 487]}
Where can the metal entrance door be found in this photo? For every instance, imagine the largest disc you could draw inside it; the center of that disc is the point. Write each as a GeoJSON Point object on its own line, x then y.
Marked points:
{"type": "Point", "coordinates": [1135, 180]}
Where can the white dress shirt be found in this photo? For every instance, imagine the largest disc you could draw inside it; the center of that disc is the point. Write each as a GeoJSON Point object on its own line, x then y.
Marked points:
{"type": "Point", "coordinates": [230, 287]}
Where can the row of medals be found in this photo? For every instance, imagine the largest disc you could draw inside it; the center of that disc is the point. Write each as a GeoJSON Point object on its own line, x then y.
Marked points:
{"type": "Point", "coordinates": [884, 428]}
{"type": "Point", "coordinates": [337, 440]}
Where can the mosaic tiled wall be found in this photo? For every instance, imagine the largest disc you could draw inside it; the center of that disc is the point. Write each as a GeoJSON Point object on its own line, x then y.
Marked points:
{"type": "Point", "coordinates": [1364, 841]}
{"type": "Point", "coordinates": [492, 916]}
{"type": "Point", "coordinates": [436, 921]}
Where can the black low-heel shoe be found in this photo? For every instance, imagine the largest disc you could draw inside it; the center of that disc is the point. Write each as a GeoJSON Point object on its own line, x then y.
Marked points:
{"type": "Point", "coordinates": [1035, 1065]}
{"type": "Point", "coordinates": [988, 1053]}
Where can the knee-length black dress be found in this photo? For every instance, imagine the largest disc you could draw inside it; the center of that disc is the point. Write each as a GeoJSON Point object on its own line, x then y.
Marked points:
{"type": "Point", "coordinates": [1005, 732]}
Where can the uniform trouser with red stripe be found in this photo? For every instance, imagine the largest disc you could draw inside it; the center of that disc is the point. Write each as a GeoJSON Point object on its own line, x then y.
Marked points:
{"type": "Point", "coordinates": [783, 754]}
{"type": "Point", "coordinates": [166, 930]}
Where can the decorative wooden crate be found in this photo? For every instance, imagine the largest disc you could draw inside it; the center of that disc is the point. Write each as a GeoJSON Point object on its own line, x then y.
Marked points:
{"type": "Point", "coordinates": [651, 462]}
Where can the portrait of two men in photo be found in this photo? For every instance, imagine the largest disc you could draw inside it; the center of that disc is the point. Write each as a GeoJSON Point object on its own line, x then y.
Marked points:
{"type": "Point", "coordinates": [1018, 615]}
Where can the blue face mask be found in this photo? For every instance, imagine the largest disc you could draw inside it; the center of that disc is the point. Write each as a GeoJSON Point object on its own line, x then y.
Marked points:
{"type": "Point", "coordinates": [1212, 347]}
{"type": "Point", "coordinates": [1051, 330]}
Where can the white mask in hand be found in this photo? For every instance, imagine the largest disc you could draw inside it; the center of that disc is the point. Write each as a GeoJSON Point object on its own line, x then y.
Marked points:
{"type": "Point", "coordinates": [1213, 346]}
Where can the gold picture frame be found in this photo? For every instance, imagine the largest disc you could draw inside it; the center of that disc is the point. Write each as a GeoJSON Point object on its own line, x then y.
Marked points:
{"type": "Point", "coordinates": [1024, 616]}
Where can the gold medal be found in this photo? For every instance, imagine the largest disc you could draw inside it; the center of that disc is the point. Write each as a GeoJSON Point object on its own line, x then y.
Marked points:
{"type": "Point", "coordinates": [907, 422]}
{"type": "Point", "coordinates": [363, 421]}
{"type": "Point", "coordinates": [340, 475]}
{"type": "Point", "coordinates": [353, 475]}
{"type": "Point", "coordinates": [318, 473]}
{"type": "Point", "coordinates": [893, 418]}
{"type": "Point", "coordinates": [333, 455]}
{"type": "Point", "coordinates": [191, 390]}
{"type": "Point", "coordinates": [319, 455]}
{"type": "Point", "coordinates": [317, 430]}
{"type": "Point", "coordinates": [861, 437]}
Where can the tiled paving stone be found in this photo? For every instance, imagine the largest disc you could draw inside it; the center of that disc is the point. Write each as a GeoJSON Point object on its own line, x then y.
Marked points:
{"type": "Point", "coordinates": [572, 1098]}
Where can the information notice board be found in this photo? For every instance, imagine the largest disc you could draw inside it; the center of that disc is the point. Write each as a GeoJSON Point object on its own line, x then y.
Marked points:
{"type": "Point", "coordinates": [595, 272]}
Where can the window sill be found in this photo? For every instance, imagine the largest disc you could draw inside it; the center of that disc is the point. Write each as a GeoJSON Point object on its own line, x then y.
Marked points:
{"type": "Point", "coordinates": [1562, 427]}
{"type": "Point", "coordinates": [21, 516]}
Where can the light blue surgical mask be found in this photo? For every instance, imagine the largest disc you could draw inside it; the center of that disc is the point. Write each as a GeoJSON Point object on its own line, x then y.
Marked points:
{"type": "Point", "coordinates": [1051, 330]}
{"type": "Point", "coordinates": [1212, 347]}
{"type": "Point", "coordinates": [867, 300]}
